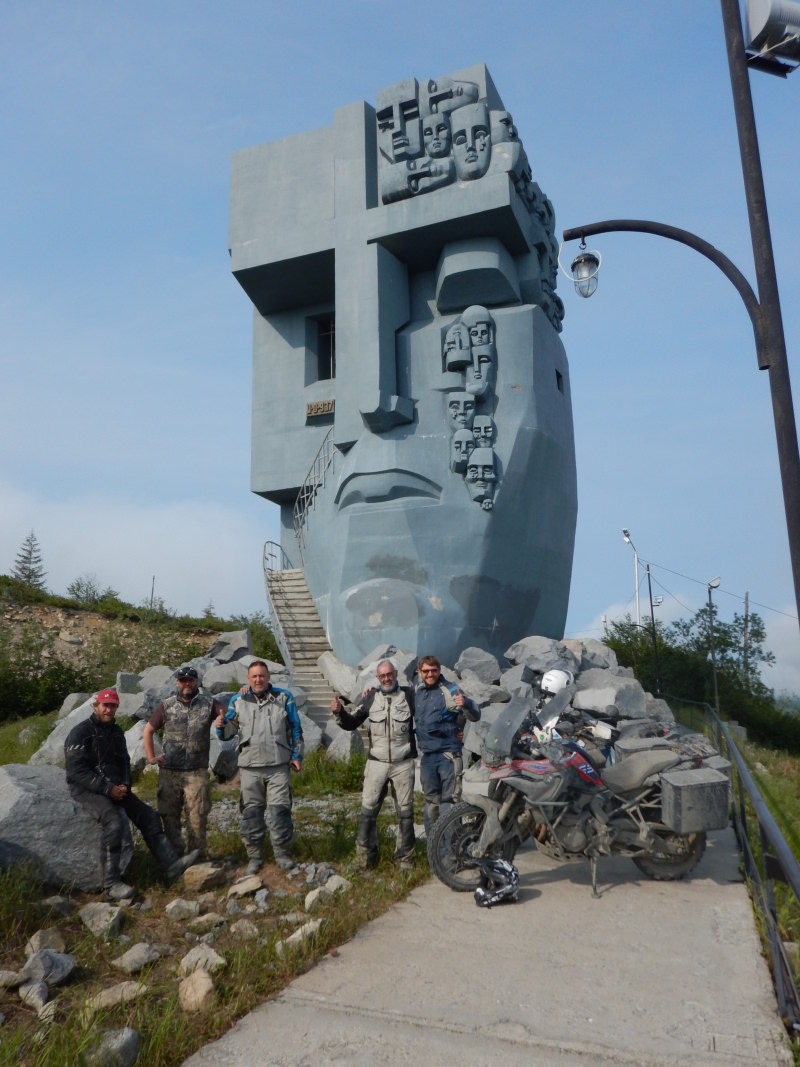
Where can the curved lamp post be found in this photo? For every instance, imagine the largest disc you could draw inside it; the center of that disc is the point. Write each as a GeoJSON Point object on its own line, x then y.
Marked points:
{"type": "Point", "coordinates": [764, 310]}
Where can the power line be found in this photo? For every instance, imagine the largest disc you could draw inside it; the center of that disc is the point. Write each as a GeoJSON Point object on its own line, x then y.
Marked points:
{"type": "Point", "coordinates": [735, 596]}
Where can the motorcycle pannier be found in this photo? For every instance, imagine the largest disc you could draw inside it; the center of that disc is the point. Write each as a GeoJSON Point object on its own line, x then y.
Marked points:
{"type": "Point", "coordinates": [695, 799]}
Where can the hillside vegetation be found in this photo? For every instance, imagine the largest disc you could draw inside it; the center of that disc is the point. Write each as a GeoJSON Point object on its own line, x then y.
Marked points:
{"type": "Point", "coordinates": [52, 645]}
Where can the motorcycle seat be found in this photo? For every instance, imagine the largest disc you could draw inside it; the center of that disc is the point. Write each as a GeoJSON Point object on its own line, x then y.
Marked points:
{"type": "Point", "coordinates": [631, 772]}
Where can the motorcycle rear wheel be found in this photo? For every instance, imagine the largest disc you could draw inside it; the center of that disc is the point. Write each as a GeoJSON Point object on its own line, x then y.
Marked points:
{"type": "Point", "coordinates": [449, 847]}
{"type": "Point", "coordinates": [671, 866]}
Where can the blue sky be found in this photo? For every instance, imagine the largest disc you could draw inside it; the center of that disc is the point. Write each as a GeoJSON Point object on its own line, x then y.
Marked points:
{"type": "Point", "coordinates": [125, 341]}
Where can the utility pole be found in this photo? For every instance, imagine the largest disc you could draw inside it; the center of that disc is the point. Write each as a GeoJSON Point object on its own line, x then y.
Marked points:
{"type": "Point", "coordinates": [746, 643]}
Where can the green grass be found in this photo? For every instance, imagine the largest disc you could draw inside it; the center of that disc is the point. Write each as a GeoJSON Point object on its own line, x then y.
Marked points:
{"type": "Point", "coordinates": [326, 819]}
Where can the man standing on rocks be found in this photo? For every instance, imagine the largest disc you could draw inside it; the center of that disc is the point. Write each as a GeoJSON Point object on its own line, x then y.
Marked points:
{"type": "Point", "coordinates": [183, 785]}
{"type": "Point", "coordinates": [99, 778]}
{"type": "Point", "coordinates": [438, 718]}
{"type": "Point", "coordinates": [390, 713]}
{"type": "Point", "coordinates": [270, 743]}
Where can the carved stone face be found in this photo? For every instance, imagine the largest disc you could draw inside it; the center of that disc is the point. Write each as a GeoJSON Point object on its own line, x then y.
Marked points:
{"type": "Point", "coordinates": [483, 430]}
{"type": "Point", "coordinates": [503, 128]}
{"type": "Point", "coordinates": [399, 124]}
{"type": "Point", "coordinates": [461, 411]}
{"type": "Point", "coordinates": [436, 136]}
{"type": "Point", "coordinates": [481, 373]}
{"type": "Point", "coordinates": [462, 444]}
{"type": "Point", "coordinates": [457, 351]}
{"type": "Point", "coordinates": [472, 145]}
{"type": "Point", "coordinates": [480, 477]}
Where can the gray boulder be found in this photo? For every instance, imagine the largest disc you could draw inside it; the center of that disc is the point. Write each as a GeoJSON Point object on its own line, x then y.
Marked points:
{"type": "Point", "coordinates": [515, 681]}
{"type": "Point", "coordinates": [127, 682]}
{"type": "Point", "coordinates": [225, 677]}
{"type": "Point", "coordinates": [41, 824]}
{"type": "Point", "coordinates": [51, 751]}
{"type": "Point", "coordinates": [482, 692]}
{"type": "Point", "coordinates": [596, 689]}
{"type": "Point", "coordinates": [340, 677]}
{"type": "Point", "coordinates": [542, 653]}
{"type": "Point", "coordinates": [343, 745]}
{"type": "Point", "coordinates": [156, 677]}
{"type": "Point", "coordinates": [232, 646]}
{"type": "Point", "coordinates": [480, 663]}
{"type": "Point", "coordinates": [71, 702]}
{"type": "Point", "coordinates": [223, 758]}
{"type": "Point", "coordinates": [312, 734]}
{"type": "Point", "coordinates": [590, 653]}
{"type": "Point", "coordinates": [133, 706]}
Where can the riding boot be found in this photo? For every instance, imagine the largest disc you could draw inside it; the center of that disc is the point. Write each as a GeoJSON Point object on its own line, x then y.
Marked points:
{"type": "Point", "coordinates": [367, 841]}
{"type": "Point", "coordinates": [167, 858]}
{"type": "Point", "coordinates": [255, 856]}
{"type": "Point", "coordinates": [114, 887]}
{"type": "Point", "coordinates": [406, 843]}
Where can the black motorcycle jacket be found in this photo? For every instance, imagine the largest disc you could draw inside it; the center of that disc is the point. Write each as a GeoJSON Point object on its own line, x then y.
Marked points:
{"type": "Point", "coordinates": [96, 757]}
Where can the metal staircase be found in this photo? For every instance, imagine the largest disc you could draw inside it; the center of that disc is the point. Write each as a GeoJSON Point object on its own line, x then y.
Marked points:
{"type": "Point", "coordinates": [297, 630]}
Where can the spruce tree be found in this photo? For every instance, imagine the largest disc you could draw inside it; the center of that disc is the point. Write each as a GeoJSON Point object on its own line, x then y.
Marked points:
{"type": "Point", "coordinates": [28, 564]}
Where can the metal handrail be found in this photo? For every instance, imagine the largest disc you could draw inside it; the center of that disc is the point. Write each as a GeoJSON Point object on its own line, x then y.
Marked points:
{"type": "Point", "coordinates": [779, 864]}
{"type": "Point", "coordinates": [274, 553]}
{"type": "Point", "coordinates": [314, 481]}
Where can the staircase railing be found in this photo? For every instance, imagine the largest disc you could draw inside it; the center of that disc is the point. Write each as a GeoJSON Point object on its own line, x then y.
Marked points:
{"type": "Point", "coordinates": [314, 481]}
{"type": "Point", "coordinates": [275, 559]}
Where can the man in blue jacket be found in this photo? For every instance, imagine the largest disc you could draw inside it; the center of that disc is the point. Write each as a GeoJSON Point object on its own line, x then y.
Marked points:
{"type": "Point", "coordinates": [270, 747]}
{"type": "Point", "coordinates": [438, 720]}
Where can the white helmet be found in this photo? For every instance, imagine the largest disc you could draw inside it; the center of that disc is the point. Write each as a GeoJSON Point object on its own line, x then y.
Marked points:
{"type": "Point", "coordinates": [554, 681]}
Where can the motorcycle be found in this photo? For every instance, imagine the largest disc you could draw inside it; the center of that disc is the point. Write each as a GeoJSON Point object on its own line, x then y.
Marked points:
{"type": "Point", "coordinates": [654, 805]}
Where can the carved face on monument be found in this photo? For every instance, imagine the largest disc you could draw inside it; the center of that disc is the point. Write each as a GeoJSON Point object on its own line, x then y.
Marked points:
{"type": "Point", "coordinates": [461, 411]}
{"type": "Point", "coordinates": [481, 371]}
{"type": "Point", "coordinates": [480, 477]}
{"type": "Point", "coordinates": [483, 430]}
{"type": "Point", "coordinates": [457, 350]}
{"type": "Point", "coordinates": [462, 444]}
{"type": "Point", "coordinates": [502, 127]}
{"type": "Point", "coordinates": [436, 136]}
{"type": "Point", "coordinates": [472, 145]}
{"type": "Point", "coordinates": [399, 124]}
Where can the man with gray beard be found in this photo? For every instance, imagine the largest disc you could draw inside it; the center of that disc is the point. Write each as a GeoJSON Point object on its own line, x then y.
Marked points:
{"type": "Point", "coordinates": [389, 712]}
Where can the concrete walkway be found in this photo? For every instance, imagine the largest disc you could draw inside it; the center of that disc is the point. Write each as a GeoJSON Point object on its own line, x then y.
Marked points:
{"type": "Point", "coordinates": [653, 974]}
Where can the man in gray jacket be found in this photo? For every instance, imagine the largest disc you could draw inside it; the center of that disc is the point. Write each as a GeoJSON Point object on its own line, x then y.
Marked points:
{"type": "Point", "coordinates": [270, 747]}
{"type": "Point", "coordinates": [389, 711]}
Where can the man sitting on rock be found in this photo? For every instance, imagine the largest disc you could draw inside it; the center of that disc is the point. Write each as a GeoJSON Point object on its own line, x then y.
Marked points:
{"type": "Point", "coordinates": [390, 714]}
{"type": "Point", "coordinates": [99, 778]}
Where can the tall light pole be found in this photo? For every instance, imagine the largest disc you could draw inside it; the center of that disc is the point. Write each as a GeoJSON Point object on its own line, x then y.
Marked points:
{"type": "Point", "coordinates": [764, 310]}
{"type": "Point", "coordinates": [713, 584]}
{"type": "Point", "coordinates": [627, 538]}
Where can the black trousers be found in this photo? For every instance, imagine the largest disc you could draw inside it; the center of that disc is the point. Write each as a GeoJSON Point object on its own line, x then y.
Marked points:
{"type": "Point", "coordinates": [107, 813]}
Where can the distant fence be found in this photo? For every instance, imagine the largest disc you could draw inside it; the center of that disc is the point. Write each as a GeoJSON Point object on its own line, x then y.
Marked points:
{"type": "Point", "coordinates": [768, 859]}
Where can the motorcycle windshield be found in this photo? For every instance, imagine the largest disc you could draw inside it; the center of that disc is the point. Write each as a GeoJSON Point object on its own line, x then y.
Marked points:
{"type": "Point", "coordinates": [501, 731]}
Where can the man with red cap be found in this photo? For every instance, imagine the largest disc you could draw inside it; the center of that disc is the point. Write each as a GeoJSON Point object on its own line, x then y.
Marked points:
{"type": "Point", "coordinates": [99, 778]}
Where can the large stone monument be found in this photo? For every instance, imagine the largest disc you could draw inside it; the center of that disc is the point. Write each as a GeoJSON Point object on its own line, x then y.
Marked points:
{"type": "Point", "coordinates": [411, 397]}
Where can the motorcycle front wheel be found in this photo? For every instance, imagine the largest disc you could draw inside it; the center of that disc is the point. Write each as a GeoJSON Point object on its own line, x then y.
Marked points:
{"type": "Point", "coordinates": [450, 846]}
{"type": "Point", "coordinates": [672, 865]}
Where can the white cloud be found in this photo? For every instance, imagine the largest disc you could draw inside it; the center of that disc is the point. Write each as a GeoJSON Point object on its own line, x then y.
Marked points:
{"type": "Point", "coordinates": [198, 549]}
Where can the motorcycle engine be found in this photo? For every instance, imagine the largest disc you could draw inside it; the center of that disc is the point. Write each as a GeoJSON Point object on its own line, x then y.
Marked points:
{"type": "Point", "coordinates": [572, 834]}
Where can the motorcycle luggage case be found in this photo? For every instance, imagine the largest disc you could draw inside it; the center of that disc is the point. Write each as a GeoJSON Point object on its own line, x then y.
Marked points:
{"type": "Point", "coordinates": [694, 799]}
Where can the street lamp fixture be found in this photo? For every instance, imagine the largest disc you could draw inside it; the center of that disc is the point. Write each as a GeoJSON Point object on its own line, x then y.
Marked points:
{"type": "Point", "coordinates": [627, 538]}
{"type": "Point", "coordinates": [585, 267]}
{"type": "Point", "coordinates": [713, 584]}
